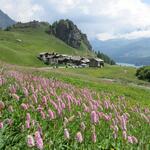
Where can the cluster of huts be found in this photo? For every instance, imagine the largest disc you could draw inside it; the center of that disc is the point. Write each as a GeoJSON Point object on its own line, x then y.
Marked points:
{"type": "Point", "coordinates": [58, 59]}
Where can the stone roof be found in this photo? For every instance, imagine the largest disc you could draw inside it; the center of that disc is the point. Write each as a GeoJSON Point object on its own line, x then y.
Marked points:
{"type": "Point", "coordinates": [97, 59]}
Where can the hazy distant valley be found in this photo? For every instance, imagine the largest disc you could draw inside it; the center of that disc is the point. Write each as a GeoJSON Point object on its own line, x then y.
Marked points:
{"type": "Point", "coordinates": [126, 51]}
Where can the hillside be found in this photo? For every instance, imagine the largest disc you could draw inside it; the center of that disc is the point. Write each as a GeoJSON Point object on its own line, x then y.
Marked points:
{"type": "Point", "coordinates": [23, 42]}
{"type": "Point", "coordinates": [128, 51]}
{"type": "Point", "coordinates": [5, 20]}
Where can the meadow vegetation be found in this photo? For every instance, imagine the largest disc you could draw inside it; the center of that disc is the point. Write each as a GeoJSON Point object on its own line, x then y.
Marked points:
{"type": "Point", "coordinates": [39, 112]}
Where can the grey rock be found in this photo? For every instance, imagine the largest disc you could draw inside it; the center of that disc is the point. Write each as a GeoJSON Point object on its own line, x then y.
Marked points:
{"type": "Point", "coordinates": [68, 32]}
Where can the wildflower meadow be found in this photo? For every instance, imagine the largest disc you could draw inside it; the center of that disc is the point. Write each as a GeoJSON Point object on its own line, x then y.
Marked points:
{"type": "Point", "coordinates": [41, 113]}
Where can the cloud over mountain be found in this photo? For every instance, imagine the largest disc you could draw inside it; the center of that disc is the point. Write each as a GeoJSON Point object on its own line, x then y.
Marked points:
{"type": "Point", "coordinates": [105, 19]}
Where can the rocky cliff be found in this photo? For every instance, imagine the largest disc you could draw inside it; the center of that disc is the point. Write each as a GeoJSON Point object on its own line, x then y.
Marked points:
{"type": "Point", "coordinates": [68, 32]}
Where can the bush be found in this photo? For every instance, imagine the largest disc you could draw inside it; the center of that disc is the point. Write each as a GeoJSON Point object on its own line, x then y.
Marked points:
{"type": "Point", "coordinates": [143, 73]}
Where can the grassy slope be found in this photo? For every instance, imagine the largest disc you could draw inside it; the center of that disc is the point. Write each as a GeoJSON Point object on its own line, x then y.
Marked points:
{"type": "Point", "coordinates": [127, 84]}
{"type": "Point", "coordinates": [123, 80]}
{"type": "Point", "coordinates": [33, 42]}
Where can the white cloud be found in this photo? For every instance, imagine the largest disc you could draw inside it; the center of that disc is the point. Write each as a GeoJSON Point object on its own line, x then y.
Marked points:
{"type": "Point", "coordinates": [111, 16]}
{"type": "Point", "coordinates": [131, 35]}
{"type": "Point", "coordinates": [105, 36]}
{"type": "Point", "coordinates": [22, 10]}
{"type": "Point", "coordinates": [106, 18]}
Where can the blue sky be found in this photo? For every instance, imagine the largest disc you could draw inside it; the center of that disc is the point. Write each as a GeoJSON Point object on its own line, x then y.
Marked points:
{"type": "Point", "coordinates": [101, 19]}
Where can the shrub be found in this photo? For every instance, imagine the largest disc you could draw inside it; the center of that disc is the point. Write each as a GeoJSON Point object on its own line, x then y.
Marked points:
{"type": "Point", "coordinates": [143, 73]}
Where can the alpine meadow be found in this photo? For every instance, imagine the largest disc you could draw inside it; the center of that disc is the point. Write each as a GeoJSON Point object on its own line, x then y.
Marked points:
{"type": "Point", "coordinates": [74, 75]}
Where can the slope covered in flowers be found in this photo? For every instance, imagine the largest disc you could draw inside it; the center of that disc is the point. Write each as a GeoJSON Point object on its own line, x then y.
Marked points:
{"type": "Point", "coordinates": [41, 113]}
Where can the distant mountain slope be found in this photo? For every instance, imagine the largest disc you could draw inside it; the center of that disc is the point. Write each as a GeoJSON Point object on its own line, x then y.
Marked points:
{"type": "Point", "coordinates": [24, 41]}
{"type": "Point", "coordinates": [128, 51]}
{"type": "Point", "coordinates": [5, 20]}
{"type": "Point", "coordinates": [68, 32]}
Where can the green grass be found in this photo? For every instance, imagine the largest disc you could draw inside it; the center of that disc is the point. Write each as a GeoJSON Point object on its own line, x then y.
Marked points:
{"type": "Point", "coordinates": [123, 80]}
{"type": "Point", "coordinates": [34, 41]}
{"type": "Point", "coordinates": [132, 93]}
{"type": "Point", "coordinates": [40, 95]}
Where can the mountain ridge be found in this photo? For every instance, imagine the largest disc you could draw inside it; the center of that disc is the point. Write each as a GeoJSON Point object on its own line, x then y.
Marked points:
{"type": "Point", "coordinates": [5, 20]}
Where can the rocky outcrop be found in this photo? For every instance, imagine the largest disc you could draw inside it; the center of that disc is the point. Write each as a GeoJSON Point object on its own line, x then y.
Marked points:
{"type": "Point", "coordinates": [68, 32]}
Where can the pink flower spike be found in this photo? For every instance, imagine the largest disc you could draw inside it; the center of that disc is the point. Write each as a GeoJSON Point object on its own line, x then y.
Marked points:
{"type": "Point", "coordinates": [79, 137]}
{"type": "Point", "coordinates": [2, 105]}
{"type": "Point", "coordinates": [94, 137]}
{"type": "Point", "coordinates": [15, 96]}
{"type": "Point", "coordinates": [27, 124]}
{"type": "Point", "coordinates": [38, 140]}
{"type": "Point", "coordinates": [28, 117]}
{"type": "Point", "coordinates": [10, 108]}
{"type": "Point", "coordinates": [134, 139]}
{"type": "Point", "coordinates": [94, 117]}
{"type": "Point", "coordinates": [30, 141]}
{"type": "Point", "coordinates": [26, 93]}
{"type": "Point", "coordinates": [1, 125]}
{"type": "Point", "coordinates": [82, 126]}
{"type": "Point", "coordinates": [124, 135]}
{"type": "Point", "coordinates": [130, 140]}
{"type": "Point", "coordinates": [43, 115]}
{"type": "Point", "coordinates": [24, 106]}
{"type": "Point", "coordinates": [51, 114]}
{"type": "Point", "coordinates": [66, 134]}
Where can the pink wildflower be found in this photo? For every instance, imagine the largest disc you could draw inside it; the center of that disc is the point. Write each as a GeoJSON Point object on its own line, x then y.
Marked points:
{"type": "Point", "coordinates": [94, 137]}
{"type": "Point", "coordinates": [34, 98]}
{"type": "Point", "coordinates": [24, 106]}
{"type": "Point", "coordinates": [38, 140]}
{"type": "Point", "coordinates": [79, 137]}
{"type": "Point", "coordinates": [27, 124]}
{"type": "Point", "coordinates": [116, 128]}
{"type": "Point", "coordinates": [51, 114]}
{"type": "Point", "coordinates": [66, 134]}
{"type": "Point", "coordinates": [12, 89]}
{"type": "Point", "coordinates": [94, 117]}
{"type": "Point", "coordinates": [124, 135]}
{"type": "Point", "coordinates": [106, 104]}
{"type": "Point", "coordinates": [82, 126]}
{"type": "Point", "coordinates": [115, 134]}
{"type": "Point", "coordinates": [123, 123]}
{"type": "Point", "coordinates": [10, 108]}
{"type": "Point", "coordinates": [30, 141]}
{"type": "Point", "coordinates": [9, 121]}
{"type": "Point", "coordinates": [1, 125]}
{"type": "Point", "coordinates": [28, 117]}
{"type": "Point", "coordinates": [130, 140]}
{"type": "Point", "coordinates": [26, 93]}
{"type": "Point", "coordinates": [15, 96]}
{"type": "Point", "coordinates": [65, 121]}
{"type": "Point", "coordinates": [2, 105]}
{"type": "Point", "coordinates": [43, 114]}
{"type": "Point", "coordinates": [44, 100]}
{"type": "Point", "coordinates": [134, 139]}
